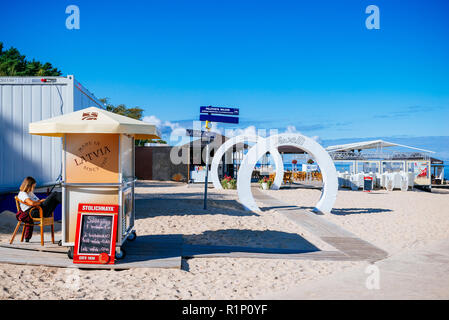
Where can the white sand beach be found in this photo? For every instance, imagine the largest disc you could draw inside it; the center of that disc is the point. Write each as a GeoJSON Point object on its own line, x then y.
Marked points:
{"type": "Point", "coordinates": [392, 221]}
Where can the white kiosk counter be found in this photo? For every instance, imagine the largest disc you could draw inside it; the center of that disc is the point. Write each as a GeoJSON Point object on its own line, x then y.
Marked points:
{"type": "Point", "coordinates": [97, 165]}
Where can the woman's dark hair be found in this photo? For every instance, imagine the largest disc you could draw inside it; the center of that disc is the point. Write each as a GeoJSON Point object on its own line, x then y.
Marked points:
{"type": "Point", "coordinates": [27, 184]}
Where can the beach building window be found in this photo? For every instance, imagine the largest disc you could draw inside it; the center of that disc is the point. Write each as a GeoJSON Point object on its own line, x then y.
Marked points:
{"type": "Point", "coordinates": [393, 166]}
{"type": "Point", "coordinates": [344, 166]}
{"type": "Point", "coordinates": [368, 167]}
{"type": "Point", "coordinates": [410, 167]}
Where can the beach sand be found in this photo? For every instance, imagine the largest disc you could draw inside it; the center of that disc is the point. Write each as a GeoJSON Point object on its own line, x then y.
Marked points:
{"type": "Point", "coordinates": [392, 221]}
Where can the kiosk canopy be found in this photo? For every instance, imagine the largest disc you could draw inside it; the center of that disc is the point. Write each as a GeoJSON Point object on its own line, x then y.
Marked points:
{"type": "Point", "coordinates": [93, 120]}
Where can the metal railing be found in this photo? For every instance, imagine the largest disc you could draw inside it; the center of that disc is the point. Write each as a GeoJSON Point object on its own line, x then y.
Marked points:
{"type": "Point", "coordinates": [379, 156]}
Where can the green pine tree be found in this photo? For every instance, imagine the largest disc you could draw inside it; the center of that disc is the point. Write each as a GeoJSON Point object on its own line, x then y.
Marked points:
{"type": "Point", "coordinates": [135, 113]}
{"type": "Point", "coordinates": [13, 64]}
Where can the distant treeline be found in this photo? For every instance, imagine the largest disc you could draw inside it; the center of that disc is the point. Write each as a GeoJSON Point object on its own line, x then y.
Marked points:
{"type": "Point", "coordinates": [135, 113]}
{"type": "Point", "coordinates": [13, 64]}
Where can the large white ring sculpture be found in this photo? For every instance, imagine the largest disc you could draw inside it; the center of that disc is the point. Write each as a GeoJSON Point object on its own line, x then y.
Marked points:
{"type": "Point", "coordinates": [324, 161]}
{"type": "Point", "coordinates": [241, 139]}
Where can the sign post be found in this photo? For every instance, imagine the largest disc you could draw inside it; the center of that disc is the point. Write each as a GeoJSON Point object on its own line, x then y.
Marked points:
{"type": "Point", "coordinates": [209, 136]}
{"type": "Point", "coordinates": [220, 110]}
{"type": "Point", "coordinates": [207, 168]}
{"type": "Point", "coordinates": [203, 134]}
{"type": "Point", "coordinates": [226, 115]}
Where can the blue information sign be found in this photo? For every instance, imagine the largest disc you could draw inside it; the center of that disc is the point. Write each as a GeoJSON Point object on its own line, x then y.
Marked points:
{"type": "Point", "coordinates": [220, 110]}
{"type": "Point", "coordinates": [211, 118]}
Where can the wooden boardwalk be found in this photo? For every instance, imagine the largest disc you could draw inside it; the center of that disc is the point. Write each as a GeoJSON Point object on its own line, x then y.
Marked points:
{"type": "Point", "coordinates": [198, 251]}
{"type": "Point", "coordinates": [343, 241]}
{"type": "Point", "coordinates": [144, 252]}
{"type": "Point", "coordinates": [167, 251]}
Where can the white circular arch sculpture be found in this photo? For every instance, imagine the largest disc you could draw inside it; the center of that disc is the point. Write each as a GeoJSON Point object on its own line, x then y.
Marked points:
{"type": "Point", "coordinates": [241, 139]}
{"type": "Point", "coordinates": [324, 161]}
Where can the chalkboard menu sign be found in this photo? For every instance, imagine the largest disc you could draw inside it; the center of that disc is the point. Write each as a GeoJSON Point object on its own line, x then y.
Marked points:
{"type": "Point", "coordinates": [368, 184]}
{"type": "Point", "coordinates": [95, 234]}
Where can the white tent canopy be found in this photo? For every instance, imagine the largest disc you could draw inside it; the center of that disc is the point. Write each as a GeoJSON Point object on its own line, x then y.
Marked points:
{"type": "Point", "coordinates": [93, 120]}
{"type": "Point", "coordinates": [374, 144]}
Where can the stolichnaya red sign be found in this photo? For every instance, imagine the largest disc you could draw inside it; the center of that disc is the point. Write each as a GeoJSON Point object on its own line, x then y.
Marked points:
{"type": "Point", "coordinates": [96, 230]}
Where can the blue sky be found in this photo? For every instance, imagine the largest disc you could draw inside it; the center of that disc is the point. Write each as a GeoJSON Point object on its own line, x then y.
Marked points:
{"type": "Point", "coordinates": [309, 66]}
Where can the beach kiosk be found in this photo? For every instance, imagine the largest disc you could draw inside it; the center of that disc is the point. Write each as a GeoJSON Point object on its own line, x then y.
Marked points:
{"type": "Point", "coordinates": [97, 165]}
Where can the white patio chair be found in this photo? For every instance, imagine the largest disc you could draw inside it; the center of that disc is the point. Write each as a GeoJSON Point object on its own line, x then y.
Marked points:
{"type": "Point", "coordinates": [378, 180]}
{"type": "Point", "coordinates": [381, 180]}
{"type": "Point", "coordinates": [404, 182]}
{"type": "Point", "coordinates": [389, 182]}
{"type": "Point", "coordinates": [411, 179]}
{"type": "Point", "coordinates": [397, 179]}
{"type": "Point", "coordinates": [360, 180]}
{"type": "Point", "coordinates": [353, 182]}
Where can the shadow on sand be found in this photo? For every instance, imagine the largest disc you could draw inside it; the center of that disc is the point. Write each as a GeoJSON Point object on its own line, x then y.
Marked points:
{"type": "Point", "coordinates": [148, 247]}
{"type": "Point", "coordinates": [348, 211]}
{"type": "Point", "coordinates": [338, 212]}
{"type": "Point", "coordinates": [286, 207]}
{"type": "Point", "coordinates": [157, 184]}
{"type": "Point", "coordinates": [181, 205]}
{"type": "Point", "coordinates": [255, 240]}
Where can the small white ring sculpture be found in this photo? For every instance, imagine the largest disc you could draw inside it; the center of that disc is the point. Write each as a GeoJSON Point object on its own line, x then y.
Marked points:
{"type": "Point", "coordinates": [324, 161]}
{"type": "Point", "coordinates": [241, 139]}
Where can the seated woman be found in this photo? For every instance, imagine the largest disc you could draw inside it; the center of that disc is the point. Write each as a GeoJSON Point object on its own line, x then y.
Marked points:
{"type": "Point", "coordinates": [27, 196]}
